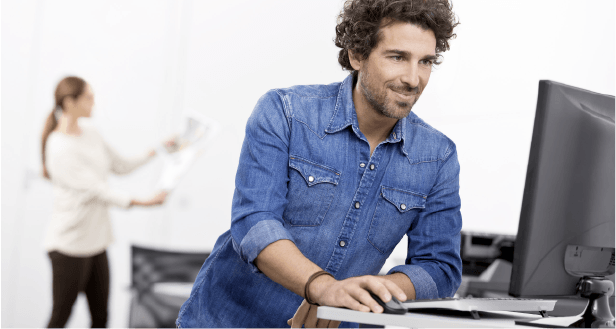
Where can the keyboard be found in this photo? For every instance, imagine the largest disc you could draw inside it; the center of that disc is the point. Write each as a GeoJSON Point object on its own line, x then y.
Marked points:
{"type": "Point", "coordinates": [473, 305]}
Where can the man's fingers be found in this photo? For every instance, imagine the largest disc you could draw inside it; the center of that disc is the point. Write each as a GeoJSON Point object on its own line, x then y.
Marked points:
{"type": "Point", "coordinates": [378, 288]}
{"type": "Point", "coordinates": [289, 322]}
{"type": "Point", "coordinates": [395, 290]}
{"type": "Point", "coordinates": [311, 319]}
{"type": "Point", "coordinates": [384, 288]}
{"type": "Point", "coordinates": [352, 303]}
{"type": "Point", "coordinates": [363, 296]}
{"type": "Point", "coordinates": [300, 315]}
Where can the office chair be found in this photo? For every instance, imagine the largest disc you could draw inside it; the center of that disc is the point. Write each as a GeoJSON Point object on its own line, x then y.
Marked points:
{"type": "Point", "coordinates": [152, 269]}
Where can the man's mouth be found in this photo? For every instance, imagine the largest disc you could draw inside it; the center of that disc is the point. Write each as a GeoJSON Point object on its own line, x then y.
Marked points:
{"type": "Point", "coordinates": [405, 94]}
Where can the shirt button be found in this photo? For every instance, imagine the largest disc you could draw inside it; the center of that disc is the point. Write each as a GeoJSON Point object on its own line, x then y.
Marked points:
{"type": "Point", "coordinates": [356, 205]}
{"type": "Point", "coordinates": [394, 135]}
{"type": "Point", "coordinates": [362, 164]}
{"type": "Point", "coordinates": [310, 179]}
{"type": "Point", "coordinates": [342, 243]}
{"type": "Point", "coordinates": [372, 166]}
{"type": "Point", "coordinates": [403, 206]}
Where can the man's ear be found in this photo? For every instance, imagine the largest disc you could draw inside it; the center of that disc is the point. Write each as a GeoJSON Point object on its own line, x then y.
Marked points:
{"type": "Point", "coordinates": [355, 63]}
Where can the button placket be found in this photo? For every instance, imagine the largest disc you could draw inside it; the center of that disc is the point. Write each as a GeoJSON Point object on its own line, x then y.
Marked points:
{"type": "Point", "coordinates": [355, 211]}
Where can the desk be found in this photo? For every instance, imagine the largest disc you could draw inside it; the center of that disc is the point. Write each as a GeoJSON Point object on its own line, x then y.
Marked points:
{"type": "Point", "coordinates": [176, 289]}
{"type": "Point", "coordinates": [424, 320]}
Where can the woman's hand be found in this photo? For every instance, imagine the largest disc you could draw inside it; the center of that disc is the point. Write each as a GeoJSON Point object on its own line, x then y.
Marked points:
{"type": "Point", "coordinates": [158, 199]}
{"type": "Point", "coordinates": [171, 144]}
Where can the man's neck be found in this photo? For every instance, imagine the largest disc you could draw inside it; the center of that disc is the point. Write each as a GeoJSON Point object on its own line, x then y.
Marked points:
{"type": "Point", "coordinates": [375, 126]}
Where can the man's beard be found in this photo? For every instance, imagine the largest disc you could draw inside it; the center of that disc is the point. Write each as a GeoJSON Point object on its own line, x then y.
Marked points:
{"type": "Point", "coordinates": [382, 104]}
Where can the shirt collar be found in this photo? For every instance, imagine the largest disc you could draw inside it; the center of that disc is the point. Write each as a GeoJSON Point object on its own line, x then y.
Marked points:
{"type": "Point", "coordinates": [344, 112]}
{"type": "Point", "coordinates": [345, 115]}
{"type": "Point", "coordinates": [397, 134]}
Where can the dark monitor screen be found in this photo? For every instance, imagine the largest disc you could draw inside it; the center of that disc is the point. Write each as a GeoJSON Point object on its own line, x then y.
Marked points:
{"type": "Point", "coordinates": [569, 190]}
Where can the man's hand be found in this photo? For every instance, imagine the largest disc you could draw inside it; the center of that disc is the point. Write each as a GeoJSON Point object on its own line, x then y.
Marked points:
{"type": "Point", "coordinates": [306, 315]}
{"type": "Point", "coordinates": [354, 292]}
{"type": "Point", "coordinates": [282, 262]}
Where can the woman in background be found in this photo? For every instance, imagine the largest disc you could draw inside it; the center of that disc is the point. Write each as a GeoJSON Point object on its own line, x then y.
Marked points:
{"type": "Point", "coordinates": [77, 161]}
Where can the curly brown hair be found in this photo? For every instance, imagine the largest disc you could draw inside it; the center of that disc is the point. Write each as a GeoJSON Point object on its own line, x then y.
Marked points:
{"type": "Point", "coordinates": [360, 21]}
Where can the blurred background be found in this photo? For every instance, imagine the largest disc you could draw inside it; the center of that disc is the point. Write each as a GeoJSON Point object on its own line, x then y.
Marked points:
{"type": "Point", "coordinates": [149, 60]}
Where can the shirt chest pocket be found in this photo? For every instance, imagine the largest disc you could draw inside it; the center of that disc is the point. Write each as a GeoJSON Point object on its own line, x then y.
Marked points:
{"type": "Point", "coordinates": [395, 211]}
{"type": "Point", "coordinates": [311, 191]}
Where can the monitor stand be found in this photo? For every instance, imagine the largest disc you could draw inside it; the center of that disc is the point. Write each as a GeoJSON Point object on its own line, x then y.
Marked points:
{"type": "Point", "coordinates": [597, 313]}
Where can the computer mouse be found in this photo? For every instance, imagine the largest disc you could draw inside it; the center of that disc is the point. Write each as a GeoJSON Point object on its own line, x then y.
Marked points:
{"type": "Point", "coordinates": [394, 306]}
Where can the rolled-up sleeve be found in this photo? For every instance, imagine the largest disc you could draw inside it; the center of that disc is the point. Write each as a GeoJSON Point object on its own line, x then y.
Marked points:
{"type": "Point", "coordinates": [433, 262]}
{"type": "Point", "coordinates": [261, 180]}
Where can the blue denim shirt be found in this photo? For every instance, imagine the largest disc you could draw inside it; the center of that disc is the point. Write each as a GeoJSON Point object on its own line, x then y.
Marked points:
{"type": "Point", "coordinates": [305, 174]}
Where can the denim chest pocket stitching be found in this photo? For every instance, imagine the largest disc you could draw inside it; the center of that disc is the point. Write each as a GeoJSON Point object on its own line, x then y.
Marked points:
{"type": "Point", "coordinates": [403, 200]}
{"type": "Point", "coordinates": [311, 192]}
{"type": "Point", "coordinates": [388, 226]}
{"type": "Point", "coordinates": [314, 173]}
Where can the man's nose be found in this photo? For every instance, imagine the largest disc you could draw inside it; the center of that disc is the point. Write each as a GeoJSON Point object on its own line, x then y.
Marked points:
{"type": "Point", "coordinates": [411, 75]}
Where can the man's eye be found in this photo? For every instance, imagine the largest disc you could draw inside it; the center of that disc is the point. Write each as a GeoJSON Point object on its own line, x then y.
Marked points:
{"type": "Point", "coordinates": [427, 62]}
{"type": "Point", "coordinates": [396, 58]}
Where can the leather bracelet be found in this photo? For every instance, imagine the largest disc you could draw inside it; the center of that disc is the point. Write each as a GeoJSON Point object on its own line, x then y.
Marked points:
{"type": "Point", "coordinates": [312, 278]}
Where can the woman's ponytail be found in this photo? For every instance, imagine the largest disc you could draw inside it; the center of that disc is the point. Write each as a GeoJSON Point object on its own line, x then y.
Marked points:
{"type": "Point", "coordinates": [68, 87]}
{"type": "Point", "coordinates": [50, 124]}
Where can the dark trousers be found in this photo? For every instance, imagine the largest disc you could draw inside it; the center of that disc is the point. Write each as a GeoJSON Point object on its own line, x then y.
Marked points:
{"type": "Point", "coordinates": [72, 275]}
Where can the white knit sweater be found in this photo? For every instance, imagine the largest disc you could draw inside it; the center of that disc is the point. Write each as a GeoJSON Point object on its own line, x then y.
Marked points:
{"type": "Point", "coordinates": [78, 167]}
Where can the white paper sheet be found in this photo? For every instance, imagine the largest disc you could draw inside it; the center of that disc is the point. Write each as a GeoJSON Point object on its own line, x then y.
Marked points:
{"type": "Point", "coordinates": [197, 134]}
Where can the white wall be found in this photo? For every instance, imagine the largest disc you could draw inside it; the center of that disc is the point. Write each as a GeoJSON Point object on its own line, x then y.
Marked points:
{"type": "Point", "coordinates": [147, 60]}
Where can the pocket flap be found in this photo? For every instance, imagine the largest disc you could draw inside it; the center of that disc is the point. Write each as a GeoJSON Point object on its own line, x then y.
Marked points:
{"type": "Point", "coordinates": [403, 200]}
{"type": "Point", "coordinates": [314, 173]}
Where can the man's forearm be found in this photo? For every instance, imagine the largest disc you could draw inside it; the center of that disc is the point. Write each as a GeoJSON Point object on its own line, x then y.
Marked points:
{"type": "Point", "coordinates": [403, 281]}
{"type": "Point", "coordinates": [285, 264]}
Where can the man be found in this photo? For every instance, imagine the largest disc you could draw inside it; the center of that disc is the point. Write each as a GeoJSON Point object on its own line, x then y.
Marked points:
{"type": "Point", "coordinates": [330, 179]}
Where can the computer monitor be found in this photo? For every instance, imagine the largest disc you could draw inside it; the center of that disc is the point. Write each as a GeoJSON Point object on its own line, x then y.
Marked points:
{"type": "Point", "coordinates": [569, 191]}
